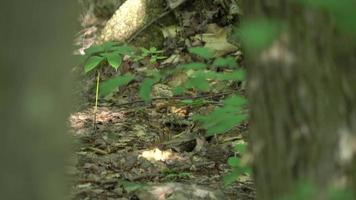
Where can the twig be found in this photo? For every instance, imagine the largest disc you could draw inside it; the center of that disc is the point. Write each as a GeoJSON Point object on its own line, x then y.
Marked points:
{"type": "Point", "coordinates": [98, 151]}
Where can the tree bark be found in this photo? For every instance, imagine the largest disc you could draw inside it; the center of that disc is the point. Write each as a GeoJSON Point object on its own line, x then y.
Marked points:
{"type": "Point", "coordinates": [35, 59]}
{"type": "Point", "coordinates": [303, 98]}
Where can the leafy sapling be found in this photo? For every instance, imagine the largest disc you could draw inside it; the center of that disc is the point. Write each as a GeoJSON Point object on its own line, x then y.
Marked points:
{"type": "Point", "coordinates": [111, 53]}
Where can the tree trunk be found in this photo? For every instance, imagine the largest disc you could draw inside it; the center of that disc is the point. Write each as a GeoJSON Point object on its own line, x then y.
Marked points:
{"type": "Point", "coordinates": [36, 46]}
{"type": "Point", "coordinates": [303, 102]}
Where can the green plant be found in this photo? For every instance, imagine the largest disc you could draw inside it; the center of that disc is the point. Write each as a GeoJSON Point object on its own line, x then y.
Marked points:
{"type": "Point", "coordinates": [238, 165]}
{"type": "Point", "coordinates": [151, 53]}
{"type": "Point", "coordinates": [174, 175]}
{"type": "Point", "coordinates": [201, 75]}
{"type": "Point", "coordinates": [111, 53]}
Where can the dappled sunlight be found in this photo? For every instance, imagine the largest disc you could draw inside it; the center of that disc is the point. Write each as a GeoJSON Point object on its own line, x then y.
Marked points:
{"type": "Point", "coordinates": [80, 120]}
{"type": "Point", "coordinates": [158, 155]}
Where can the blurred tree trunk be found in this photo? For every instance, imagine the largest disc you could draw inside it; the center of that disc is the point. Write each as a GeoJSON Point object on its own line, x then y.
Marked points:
{"type": "Point", "coordinates": [302, 92]}
{"type": "Point", "coordinates": [36, 46]}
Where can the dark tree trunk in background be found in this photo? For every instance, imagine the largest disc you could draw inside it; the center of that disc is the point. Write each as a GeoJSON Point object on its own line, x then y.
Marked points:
{"type": "Point", "coordinates": [302, 92]}
{"type": "Point", "coordinates": [36, 46]}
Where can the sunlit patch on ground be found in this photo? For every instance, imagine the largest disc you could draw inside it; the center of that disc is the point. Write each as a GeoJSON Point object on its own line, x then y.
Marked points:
{"type": "Point", "coordinates": [80, 120]}
{"type": "Point", "coordinates": [158, 155]}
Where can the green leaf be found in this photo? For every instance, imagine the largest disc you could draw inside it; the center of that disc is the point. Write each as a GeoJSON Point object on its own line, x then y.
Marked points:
{"type": "Point", "coordinates": [202, 52]}
{"type": "Point", "coordinates": [123, 50]}
{"type": "Point", "coordinates": [108, 45]}
{"type": "Point", "coordinates": [154, 75]}
{"type": "Point", "coordinates": [234, 162]}
{"type": "Point", "coordinates": [145, 51]}
{"type": "Point", "coordinates": [259, 34]}
{"type": "Point", "coordinates": [194, 66]}
{"type": "Point", "coordinates": [206, 74]}
{"type": "Point", "coordinates": [178, 90]}
{"type": "Point", "coordinates": [224, 125]}
{"type": "Point", "coordinates": [235, 101]}
{"type": "Point", "coordinates": [241, 148]}
{"type": "Point", "coordinates": [237, 75]}
{"type": "Point", "coordinates": [110, 85]}
{"type": "Point", "coordinates": [146, 88]}
{"type": "Point", "coordinates": [94, 49]}
{"type": "Point", "coordinates": [92, 63]}
{"type": "Point", "coordinates": [130, 186]}
{"type": "Point", "coordinates": [187, 101]}
{"type": "Point", "coordinates": [191, 102]}
{"type": "Point", "coordinates": [199, 83]}
{"type": "Point", "coordinates": [153, 49]}
{"type": "Point", "coordinates": [113, 59]}
{"type": "Point", "coordinates": [224, 118]}
{"type": "Point", "coordinates": [225, 62]}
{"type": "Point", "coordinates": [231, 177]}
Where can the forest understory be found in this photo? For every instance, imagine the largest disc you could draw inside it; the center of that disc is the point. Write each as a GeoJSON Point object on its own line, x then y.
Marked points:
{"type": "Point", "coordinates": [129, 148]}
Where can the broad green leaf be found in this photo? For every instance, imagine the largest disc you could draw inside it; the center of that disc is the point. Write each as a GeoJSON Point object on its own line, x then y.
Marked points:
{"type": "Point", "coordinates": [202, 52]}
{"type": "Point", "coordinates": [237, 75]}
{"type": "Point", "coordinates": [123, 50]}
{"type": "Point", "coordinates": [114, 59]}
{"type": "Point", "coordinates": [194, 66]}
{"type": "Point", "coordinates": [199, 83]}
{"type": "Point", "coordinates": [145, 51]}
{"type": "Point", "coordinates": [259, 34]}
{"type": "Point", "coordinates": [241, 148]}
{"type": "Point", "coordinates": [153, 49]}
{"type": "Point", "coordinates": [235, 101]}
{"type": "Point", "coordinates": [178, 90]}
{"type": "Point", "coordinates": [108, 45]}
{"type": "Point", "coordinates": [92, 63]}
{"type": "Point", "coordinates": [130, 186]}
{"type": "Point", "coordinates": [187, 101]}
{"type": "Point", "coordinates": [226, 125]}
{"type": "Point", "coordinates": [231, 177]}
{"type": "Point", "coordinates": [146, 88]}
{"type": "Point", "coordinates": [206, 74]}
{"type": "Point", "coordinates": [110, 85]}
{"type": "Point", "coordinates": [234, 162]}
{"type": "Point", "coordinates": [225, 62]}
{"type": "Point", "coordinates": [224, 118]}
{"type": "Point", "coordinates": [154, 75]}
{"type": "Point", "coordinates": [94, 49]}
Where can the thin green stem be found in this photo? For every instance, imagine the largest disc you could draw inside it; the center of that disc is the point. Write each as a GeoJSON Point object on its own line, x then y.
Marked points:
{"type": "Point", "coordinates": [96, 99]}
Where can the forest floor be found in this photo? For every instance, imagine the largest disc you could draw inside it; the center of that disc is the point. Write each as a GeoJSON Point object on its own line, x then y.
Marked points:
{"type": "Point", "coordinates": [130, 148]}
{"type": "Point", "coordinates": [135, 145]}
